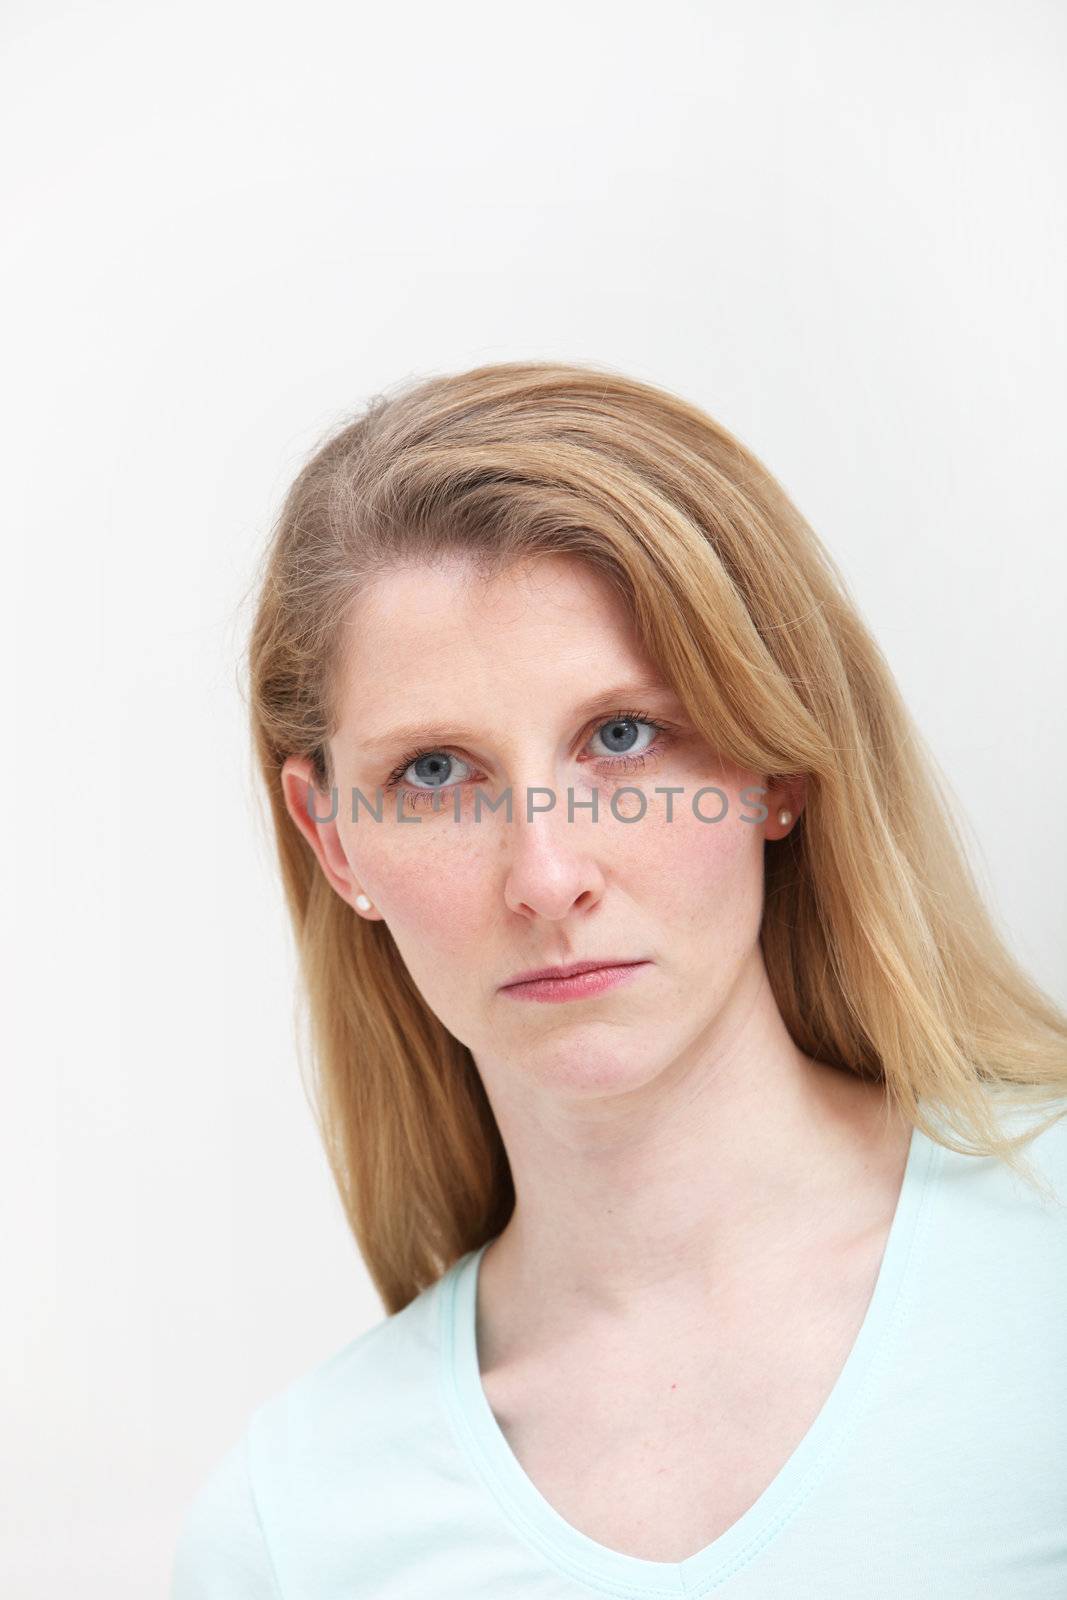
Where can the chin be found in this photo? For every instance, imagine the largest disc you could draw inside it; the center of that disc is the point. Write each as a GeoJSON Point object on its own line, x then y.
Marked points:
{"type": "Point", "coordinates": [596, 1060]}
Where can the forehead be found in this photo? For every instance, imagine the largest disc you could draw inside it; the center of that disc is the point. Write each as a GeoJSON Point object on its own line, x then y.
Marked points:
{"type": "Point", "coordinates": [442, 653]}
{"type": "Point", "coordinates": [454, 587]}
{"type": "Point", "coordinates": [415, 625]}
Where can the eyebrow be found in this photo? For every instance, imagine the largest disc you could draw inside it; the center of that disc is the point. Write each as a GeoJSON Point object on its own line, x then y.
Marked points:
{"type": "Point", "coordinates": [427, 732]}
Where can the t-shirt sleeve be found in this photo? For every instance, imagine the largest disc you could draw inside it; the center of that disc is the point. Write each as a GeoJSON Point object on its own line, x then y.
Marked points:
{"type": "Point", "coordinates": [221, 1552]}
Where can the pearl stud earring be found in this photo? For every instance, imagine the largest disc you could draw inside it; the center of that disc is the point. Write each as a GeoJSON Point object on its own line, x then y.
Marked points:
{"type": "Point", "coordinates": [362, 902]}
{"type": "Point", "coordinates": [785, 818]}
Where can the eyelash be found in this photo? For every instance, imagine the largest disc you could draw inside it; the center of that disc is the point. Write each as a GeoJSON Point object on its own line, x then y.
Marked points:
{"type": "Point", "coordinates": [613, 764]}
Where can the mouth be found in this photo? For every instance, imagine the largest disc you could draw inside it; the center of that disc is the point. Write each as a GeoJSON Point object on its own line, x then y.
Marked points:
{"type": "Point", "coordinates": [574, 981]}
{"type": "Point", "coordinates": [570, 969]}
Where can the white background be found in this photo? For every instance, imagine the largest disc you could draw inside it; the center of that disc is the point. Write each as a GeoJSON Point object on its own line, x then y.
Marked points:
{"type": "Point", "coordinates": [838, 228]}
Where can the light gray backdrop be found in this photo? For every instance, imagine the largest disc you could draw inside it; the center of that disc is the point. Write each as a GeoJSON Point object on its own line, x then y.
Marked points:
{"type": "Point", "coordinates": [838, 228]}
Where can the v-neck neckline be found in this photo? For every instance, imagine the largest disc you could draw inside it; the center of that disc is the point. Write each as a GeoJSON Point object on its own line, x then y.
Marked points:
{"type": "Point", "coordinates": [583, 1558]}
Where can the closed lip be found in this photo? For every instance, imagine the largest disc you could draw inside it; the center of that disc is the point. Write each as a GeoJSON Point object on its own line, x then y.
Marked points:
{"type": "Point", "coordinates": [572, 970]}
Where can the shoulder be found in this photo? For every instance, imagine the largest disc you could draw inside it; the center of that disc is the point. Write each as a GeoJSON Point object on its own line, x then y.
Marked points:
{"type": "Point", "coordinates": [992, 1195]}
{"type": "Point", "coordinates": [221, 1552]}
{"type": "Point", "coordinates": [299, 1447]}
{"type": "Point", "coordinates": [379, 1383]}
{"type": "Point", "coordinates": [1045, 1151]}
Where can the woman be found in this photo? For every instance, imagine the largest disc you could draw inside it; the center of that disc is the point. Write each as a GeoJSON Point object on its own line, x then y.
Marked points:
{"type": "Point", "coordinates": [708, 1270]}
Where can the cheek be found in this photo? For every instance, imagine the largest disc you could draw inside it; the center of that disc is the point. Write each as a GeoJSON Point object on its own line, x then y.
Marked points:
{"type": "Point", "coordinates": [704, 877]}
{"type": "Point", "coordinates": [425, 886]}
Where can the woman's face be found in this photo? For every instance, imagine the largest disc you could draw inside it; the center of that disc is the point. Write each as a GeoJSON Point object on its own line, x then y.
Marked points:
{"type": "Point", "coordinates": [518, 683]}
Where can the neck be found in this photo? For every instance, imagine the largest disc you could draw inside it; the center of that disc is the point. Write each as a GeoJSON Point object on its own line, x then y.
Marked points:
{"type": "Point", "coordinates": [744, 1152]}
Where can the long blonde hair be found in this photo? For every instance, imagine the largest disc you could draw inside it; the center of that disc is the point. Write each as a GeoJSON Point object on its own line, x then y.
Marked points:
{"type": "Point", "coordinates": [880, 952]}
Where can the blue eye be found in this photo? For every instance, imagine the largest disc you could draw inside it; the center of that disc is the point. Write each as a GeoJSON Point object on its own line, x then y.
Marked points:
{"type": "Point", "coordinates": [434, 765]}
{"type": "Point", "coordinates": [620, 733]}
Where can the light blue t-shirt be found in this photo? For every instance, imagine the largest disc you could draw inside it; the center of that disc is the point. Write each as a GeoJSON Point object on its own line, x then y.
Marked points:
{"type": "Point", "coordinates": [937, 1466]}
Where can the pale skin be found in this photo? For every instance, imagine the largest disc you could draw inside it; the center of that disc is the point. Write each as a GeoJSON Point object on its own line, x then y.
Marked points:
{"type": "Point", "coordinates": [701, 1208]}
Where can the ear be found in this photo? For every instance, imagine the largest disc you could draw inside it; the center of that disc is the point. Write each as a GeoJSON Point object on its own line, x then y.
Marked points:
{"type": "Point", "coordinates": [314, 812]}
{"type": "Point", "coordinates": [788, 794]}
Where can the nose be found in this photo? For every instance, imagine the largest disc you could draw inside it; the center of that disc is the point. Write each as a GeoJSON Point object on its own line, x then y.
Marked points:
{"type": "Point", "coordinates": [552, 869]}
